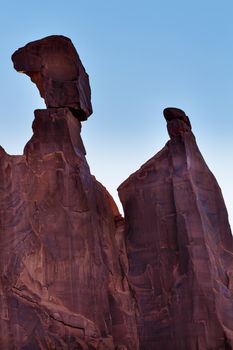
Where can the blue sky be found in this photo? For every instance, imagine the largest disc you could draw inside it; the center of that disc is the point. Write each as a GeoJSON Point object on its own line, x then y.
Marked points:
{"type": "Point", "coordinates": [141, 56]}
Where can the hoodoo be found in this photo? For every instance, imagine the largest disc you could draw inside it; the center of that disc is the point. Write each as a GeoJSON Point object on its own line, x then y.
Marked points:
{"type": "Point", "coordinates": [75, 275]}
{"type": "Point", "coordinates": [63, 262]}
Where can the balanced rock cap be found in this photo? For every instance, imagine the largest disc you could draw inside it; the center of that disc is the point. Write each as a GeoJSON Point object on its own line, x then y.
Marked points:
{"type": "Point", "coordinates": [171, 113]}
{"type": "Point", "coordinates": [177, 121]}
{"type": "Point", "coordinates": [53, 64]}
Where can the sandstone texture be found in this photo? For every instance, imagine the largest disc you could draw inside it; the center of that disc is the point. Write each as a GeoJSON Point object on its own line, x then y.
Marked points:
{"type": "Point", "coordinates": [63, 261]}
{"type": "Point", "coordinates": [75, 274]}
{"type": "Point", "coordinates": [54, 66]}
{"type": "Point", "coordinates": [179, 247]}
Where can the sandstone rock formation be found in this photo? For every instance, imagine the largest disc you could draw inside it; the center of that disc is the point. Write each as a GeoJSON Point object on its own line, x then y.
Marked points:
{"type": "Point", "coordinates": [179, 247]}
{"type": "Point", "coordinates": [54, 66]}
{"type": "Point", "coordinates": [75, 275]}
{"type": "Point", "coordinates": [63, 263]}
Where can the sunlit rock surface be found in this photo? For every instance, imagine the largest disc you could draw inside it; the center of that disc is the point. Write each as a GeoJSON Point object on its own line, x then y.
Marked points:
{"type": "Point", "coordinates": [179, 247]}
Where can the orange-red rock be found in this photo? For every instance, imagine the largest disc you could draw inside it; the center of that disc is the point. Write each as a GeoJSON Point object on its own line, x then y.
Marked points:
{"type": "Point", "coordinates": [179, 247]}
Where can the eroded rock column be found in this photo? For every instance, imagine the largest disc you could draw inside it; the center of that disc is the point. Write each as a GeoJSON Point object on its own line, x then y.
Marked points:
{"type": "Point", "coordinates": [179, 247]}
{"type": "Point", "coordinates": [62, 263]}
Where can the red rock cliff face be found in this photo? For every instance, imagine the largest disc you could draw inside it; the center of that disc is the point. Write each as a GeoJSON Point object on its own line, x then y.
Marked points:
{"type": "Point", "coordinates": [63, 262]}
{"type": "Point", "coordinates": [68, 280]}
{"type": "Point", "coordinates": [179, 247]}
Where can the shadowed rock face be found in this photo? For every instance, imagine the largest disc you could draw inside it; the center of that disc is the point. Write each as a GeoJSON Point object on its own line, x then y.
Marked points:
{"type": "Point", "coordinates": [54, 66]}
{"type": "Point", "coordinates": [179, 247]}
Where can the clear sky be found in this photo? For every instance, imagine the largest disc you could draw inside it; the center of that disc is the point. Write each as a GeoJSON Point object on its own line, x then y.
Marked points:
{"type": "Point", "coordinates": [141, 56]}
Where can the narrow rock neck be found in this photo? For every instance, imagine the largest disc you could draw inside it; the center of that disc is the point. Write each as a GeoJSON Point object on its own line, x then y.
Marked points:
{"type": "Point", "coordinates": [55, 130]}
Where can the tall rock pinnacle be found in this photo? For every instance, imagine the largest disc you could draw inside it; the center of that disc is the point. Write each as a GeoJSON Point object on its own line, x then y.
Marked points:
{"type": "Point", "coordinates": [54, 66]}
{"type": "Point", "coordinates": [74, 274]}
{"type": "Point", "coordinates": [63, 261]}
{"type": "Point", "coordinates": [179, 247]}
